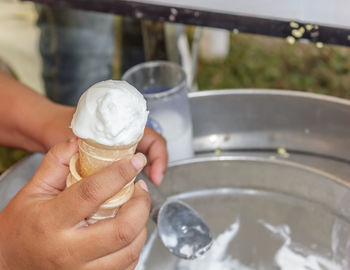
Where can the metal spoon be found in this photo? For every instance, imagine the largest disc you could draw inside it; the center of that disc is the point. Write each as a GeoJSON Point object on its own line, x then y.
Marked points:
{"type": "Point", "coordinates": [180, 228]}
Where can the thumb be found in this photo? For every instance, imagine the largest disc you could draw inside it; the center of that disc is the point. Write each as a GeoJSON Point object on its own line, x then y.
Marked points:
{"type": "Point", "coordinates": [53, 170]}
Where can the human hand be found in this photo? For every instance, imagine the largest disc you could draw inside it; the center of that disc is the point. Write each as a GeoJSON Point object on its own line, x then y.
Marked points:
{"type": "Point", "coordinates": [153, 145]}
{"type": "Point", "coordinates": [43, 227]}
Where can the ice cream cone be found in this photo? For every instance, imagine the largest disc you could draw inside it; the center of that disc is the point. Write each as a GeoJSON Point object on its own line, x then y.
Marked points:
{"type": "Point", "coordinates": [95, 156]}
{"type": "Point", "coordinates": [91, 158]}
{"type": "Point", "coordinates": [110, 207]}
{"type": "Point", "coordinates": [109, 113]}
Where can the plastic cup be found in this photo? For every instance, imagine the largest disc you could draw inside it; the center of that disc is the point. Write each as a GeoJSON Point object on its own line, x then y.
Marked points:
{"type": "Point", "coordinates": [163, 84]}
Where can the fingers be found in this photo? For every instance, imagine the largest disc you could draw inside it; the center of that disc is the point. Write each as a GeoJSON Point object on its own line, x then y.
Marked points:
{"type": "Point", "coordinates": [53, 170]}
{"type": "Point", "coordinates": [84, 197]}
{"type": "Point", "coordinates": [156, 170]}
{"type": "Point", "coordinates": [132, 266]}
{"type": "Point", "coordinates": [154, 146]}
{"type": "Point", "coordinates": [122, 259]}
{"type": "Point", "coordinates": [108, 236]}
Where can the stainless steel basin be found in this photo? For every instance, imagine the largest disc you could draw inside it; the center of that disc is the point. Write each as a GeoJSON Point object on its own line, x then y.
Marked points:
{"type": "Point", "coordinates": [260, 196]}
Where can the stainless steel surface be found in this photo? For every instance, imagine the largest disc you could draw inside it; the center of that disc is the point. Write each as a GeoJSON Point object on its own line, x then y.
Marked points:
{"type": "Point", "coordinates": [16, 177]}
{"type": "Point", "coordinates": [259, 173]}
{"type": "Point", "coordinates": [257, 193]}
{"type": "Point", "coordinates": [180, 228]}
{"type": "Point", "coordinates": [157, 198]}
{"type": "Point", "coordinates": [306, 125]}
{"type": "Point", "coordinates": [337, 168]}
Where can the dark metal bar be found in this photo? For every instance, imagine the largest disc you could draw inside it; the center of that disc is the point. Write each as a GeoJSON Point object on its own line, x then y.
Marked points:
{"type": "Point", "coordinates": [244, 24]}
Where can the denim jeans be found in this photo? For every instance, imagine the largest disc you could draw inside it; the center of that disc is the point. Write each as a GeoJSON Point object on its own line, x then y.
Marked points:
{"type": "Point", "coordinates": [77, 49]}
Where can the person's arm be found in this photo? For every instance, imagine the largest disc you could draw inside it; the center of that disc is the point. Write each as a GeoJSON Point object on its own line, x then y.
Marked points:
{"type": "Point", "coordinates": [27, 118]}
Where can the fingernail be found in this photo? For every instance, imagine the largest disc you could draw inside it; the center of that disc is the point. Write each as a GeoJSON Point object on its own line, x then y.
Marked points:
{"type": "Point", "coordinates": [158, 179]}
{"type": "Point", "coordinates": [139, 161]}
{"type": "Point", "coordinates": [143, 185]}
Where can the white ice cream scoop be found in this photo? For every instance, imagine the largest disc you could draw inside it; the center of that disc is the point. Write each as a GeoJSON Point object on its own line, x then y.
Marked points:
{"type": "Point", "coordinates": [110, 113]}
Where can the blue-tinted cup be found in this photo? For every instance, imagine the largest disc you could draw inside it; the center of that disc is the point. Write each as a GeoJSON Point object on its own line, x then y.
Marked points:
{"type": "Point", "coordinates": [164, 87]}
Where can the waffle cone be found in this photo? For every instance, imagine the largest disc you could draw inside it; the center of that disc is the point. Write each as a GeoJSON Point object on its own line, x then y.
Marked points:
{"type": "Point", "coordinates": [91, 158]}
{"type": "Point", "coordinates": [95, 156]}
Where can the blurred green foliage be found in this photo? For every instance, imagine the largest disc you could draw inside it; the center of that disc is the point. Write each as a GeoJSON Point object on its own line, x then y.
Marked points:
{"type": "Point", "coordinates": [264, 62]}
{"type": "Point", "coordinates": [8, 156]}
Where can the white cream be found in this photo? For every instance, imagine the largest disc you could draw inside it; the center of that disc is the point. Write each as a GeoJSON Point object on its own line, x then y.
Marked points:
{"type": "Point", "coordinates": [110, 113]}
{"type": "Point", "coordinates": [289, 259]}
{"type": "Point", "coordinates": [286, 258]}
{"type": "Point", "coordinates": [217, 258]}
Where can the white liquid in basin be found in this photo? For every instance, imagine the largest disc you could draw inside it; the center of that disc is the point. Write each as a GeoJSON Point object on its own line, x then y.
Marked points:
{"type": "Point", "coordinates": [286, 258]}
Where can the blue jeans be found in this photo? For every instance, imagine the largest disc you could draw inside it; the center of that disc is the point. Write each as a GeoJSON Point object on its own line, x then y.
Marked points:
{"type": "Point", "coordinates": [77, 49]}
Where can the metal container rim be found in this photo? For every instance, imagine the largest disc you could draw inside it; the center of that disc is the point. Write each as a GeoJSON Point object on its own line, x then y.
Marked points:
{"type": "Point", "coordinates": [270, 92]}
{"type": "Point", "coordinates": [279, 162]}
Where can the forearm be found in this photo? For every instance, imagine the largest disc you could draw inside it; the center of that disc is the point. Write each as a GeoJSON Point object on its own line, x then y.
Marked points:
{"type": "Point", "coordinates": [25, 116]}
